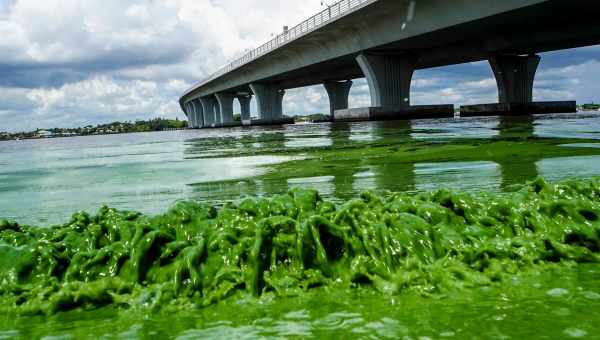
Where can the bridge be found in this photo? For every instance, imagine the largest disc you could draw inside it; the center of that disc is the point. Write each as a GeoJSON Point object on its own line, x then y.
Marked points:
{"type": "Point", "coordinates": [385, 41]}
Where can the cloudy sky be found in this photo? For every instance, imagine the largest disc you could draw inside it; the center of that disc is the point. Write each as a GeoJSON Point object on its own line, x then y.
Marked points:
{"type": "Point", "coordinates": [76, 62]}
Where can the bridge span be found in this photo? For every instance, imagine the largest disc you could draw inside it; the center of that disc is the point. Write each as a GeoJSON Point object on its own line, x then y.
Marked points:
{"type": "Point", "coordinates": [385, 41]}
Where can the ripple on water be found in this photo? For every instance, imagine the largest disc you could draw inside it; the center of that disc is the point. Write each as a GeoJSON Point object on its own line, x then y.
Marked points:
{"type": "Point", "coordinates": [11, 334]}
{"type": "Point", "coordinates": [297, 328]}
{"type": "Point", "coordinates": [575, 332]}
{"type": "Point", "coordinates": [591, 295]}
{"type": "Point", "coordinates": [385, 328]}
{"type": "Point", "coordinates": [299, 314]}
{"type": "Point", "coordinates": [338, 321]}
{"type": "Point", "coordinates": [222, 332]}
{"type": "Point", "coordinates": [557, 292]}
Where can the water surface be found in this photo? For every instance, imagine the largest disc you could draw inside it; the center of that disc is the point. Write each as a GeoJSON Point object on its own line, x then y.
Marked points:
{"type": "Point", "coordinates": [43, 182]}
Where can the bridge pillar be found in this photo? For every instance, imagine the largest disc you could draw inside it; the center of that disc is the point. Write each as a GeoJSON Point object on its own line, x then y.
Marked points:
{"type": "Point", "coordinates": [194, 114]}
{"type": "Point", "coordinates": [269, 100]}
{"type": "Point", "coordinates": [209, 104]}
{"type": "Point", "coordinates": [279, 104]}
{"type": "Point", "coordinates": [191, 115]}
{"type": "Point", "coordinates": [198, 114]}
{"type": "Point", "coordinates": [225, 107]}
{"type": "Point", "coordinates": [389, 77]}
{"type": "Point", "coordinates": [338, 95]}
{"type": "Point", "coordinates": [245, 107]}
{"type": "Point", "coordinates": [217, 110]}
{"type": "Point", "coordinates": [514, 76]}
{"type": "Point", "coordinates": [188, 114]}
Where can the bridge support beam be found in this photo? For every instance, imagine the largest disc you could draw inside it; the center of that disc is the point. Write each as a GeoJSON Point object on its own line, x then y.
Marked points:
{"type": "Point", "coordinates": [515, 75]}
{"type": "Point", "coordinates": [270, 105]}
{"type": "Point", "coordinates": [217, 111]}
{"type": "Point", "coordinates": [194, 114]}
{"type": "Point", "coordinates": [198, 114]}
{"type": "Point", "coordinates": [209, 104]}
{"type": "Point", "coordinates": [191, 115]}
{"type": "Point", "coordinates": [245, 108]}
{"type": "Point", "coordinates": [188, 114]}
{"type": "Point", "coordinates": [279, 104]}
{"type": "Point", "coordinates": [225, 107]}
{"type": "Point", "coordinates": [338, 93]}
{"type": "Point", "coordinates": [389, 78]}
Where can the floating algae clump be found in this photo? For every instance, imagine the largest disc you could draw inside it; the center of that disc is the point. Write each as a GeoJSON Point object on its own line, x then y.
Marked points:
{"type": "Point", "coordinates": [196, 255]}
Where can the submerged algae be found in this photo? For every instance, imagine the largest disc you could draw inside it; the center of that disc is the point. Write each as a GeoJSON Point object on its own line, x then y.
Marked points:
{"type": "Point", "coordinates": [196, 255]}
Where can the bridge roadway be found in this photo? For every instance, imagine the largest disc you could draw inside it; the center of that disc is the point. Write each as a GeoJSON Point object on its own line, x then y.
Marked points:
{"type": "Point", "coordinates": [385, 41]}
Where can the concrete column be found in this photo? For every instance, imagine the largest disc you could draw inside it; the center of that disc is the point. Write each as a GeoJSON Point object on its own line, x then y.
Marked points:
{"type": "Point", "coordinates": [269, 100]}
{"type": "Point", "coordinates": [389, 77]}
{"type": "Point", "coordinates": [193, 116]}
{"type": "Point", "coordinates": [198, 114]}
{"type": "Point", "coordinates": [217, 110]}
{"type": "Point", "coordinates": [514, 76]}
{"type": "Point", "coordinates": [338, 95]}
{"type": "Point", "coordinates": [225, 106]}
{"type": "Point", "coordinates": [188, 114]}
{"type": "Point", "coordinates": [208, 106]}
{"type": "Point", "coordinates": [279, 104]}
{"type": "Point", "coordinates": [245, 106]}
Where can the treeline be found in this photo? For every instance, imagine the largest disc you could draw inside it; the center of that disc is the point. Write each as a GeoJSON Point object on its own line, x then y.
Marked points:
{"type": "Point", "coordinates": [156, 124]}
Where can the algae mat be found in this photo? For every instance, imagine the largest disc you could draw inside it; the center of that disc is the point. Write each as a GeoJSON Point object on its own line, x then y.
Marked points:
{"type": "Point", "coordinates": [374, 255]}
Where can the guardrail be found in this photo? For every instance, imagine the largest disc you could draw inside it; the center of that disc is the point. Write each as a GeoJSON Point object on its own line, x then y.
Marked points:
{"type": "Point", "coordinates": [332, 12]}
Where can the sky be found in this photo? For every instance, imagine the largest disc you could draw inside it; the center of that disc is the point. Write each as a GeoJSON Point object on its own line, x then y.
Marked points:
{"type": "Point", "coordinates": [69, 63]}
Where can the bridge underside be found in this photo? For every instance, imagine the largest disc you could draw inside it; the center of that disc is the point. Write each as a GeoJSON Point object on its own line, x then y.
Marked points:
{"type": "Point", "coordinates": [435, 37]}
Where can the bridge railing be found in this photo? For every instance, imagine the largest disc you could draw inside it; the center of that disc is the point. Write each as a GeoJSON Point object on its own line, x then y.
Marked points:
{"type": "Point", "coordinates": [333, 12]}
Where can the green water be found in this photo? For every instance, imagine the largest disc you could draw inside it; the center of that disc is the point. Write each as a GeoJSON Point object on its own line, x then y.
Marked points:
{"type": "Point", "coordinates": [44, 182]}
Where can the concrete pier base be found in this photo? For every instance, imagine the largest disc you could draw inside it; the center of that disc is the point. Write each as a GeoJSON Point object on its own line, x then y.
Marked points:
{"type": "Point", "coordinates": [400, 112]}
{"type": "Point", "coordinates": [223, 125]}
{"type": "Point", "coordinates": [518, 109]}
{"type": "Point", "coordinates": [253, 122]}
{"type": "Point", "coordinates": [272, 121]}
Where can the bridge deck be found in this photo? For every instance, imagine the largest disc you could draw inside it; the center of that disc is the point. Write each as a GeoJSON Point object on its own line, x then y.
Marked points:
{"type": "Point", "coordinates": [441, 33]}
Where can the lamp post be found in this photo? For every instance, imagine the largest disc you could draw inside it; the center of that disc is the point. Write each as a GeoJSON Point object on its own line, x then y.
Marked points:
{"type": "Point", "coordinates": [326, 3]}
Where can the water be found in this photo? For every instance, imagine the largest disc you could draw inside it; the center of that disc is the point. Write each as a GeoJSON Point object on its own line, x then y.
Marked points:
{"type": "Point", "coordinates": [42, 182]}
{"type": "Point", "coordinates": [537, 307]}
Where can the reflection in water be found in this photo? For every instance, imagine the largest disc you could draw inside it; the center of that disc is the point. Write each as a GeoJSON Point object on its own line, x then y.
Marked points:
{"type": "Point", "coordinates": [343, 176]}
{"type": "Point", "coordinates": [517, 169]}
{"type": "Point", "coordinates": [147, 172]}
{"type": "Point", "coordinates": [270, 140]}
{"type": "Point", "coordinates": [471, 176]}
{"type": "Point", "coordinates": [556, 169]}
{"type": "Point", "coordinates": [490, 172]}
{"type": "Point", "coordinates": [359, 175]}
{"type": "Point", "coordinates": [395, 176]}
{"type": "Point", "coordinates": [348, 176]}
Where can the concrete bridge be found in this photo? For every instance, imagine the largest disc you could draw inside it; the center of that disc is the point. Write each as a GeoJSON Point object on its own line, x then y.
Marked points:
{"type": "Point", "coordinates": [385, 41]}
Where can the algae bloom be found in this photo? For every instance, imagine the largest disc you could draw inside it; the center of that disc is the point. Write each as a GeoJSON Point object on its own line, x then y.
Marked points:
{"type": "Point", "coordinates": [196, 254]}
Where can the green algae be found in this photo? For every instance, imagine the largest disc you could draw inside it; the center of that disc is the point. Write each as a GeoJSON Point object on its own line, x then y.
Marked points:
{"type": "Point", "coordinates": [196, 255]}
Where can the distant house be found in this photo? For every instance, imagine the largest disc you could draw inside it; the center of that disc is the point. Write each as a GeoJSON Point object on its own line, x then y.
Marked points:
{"type": "Point", "coordinates": [44, 134]}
